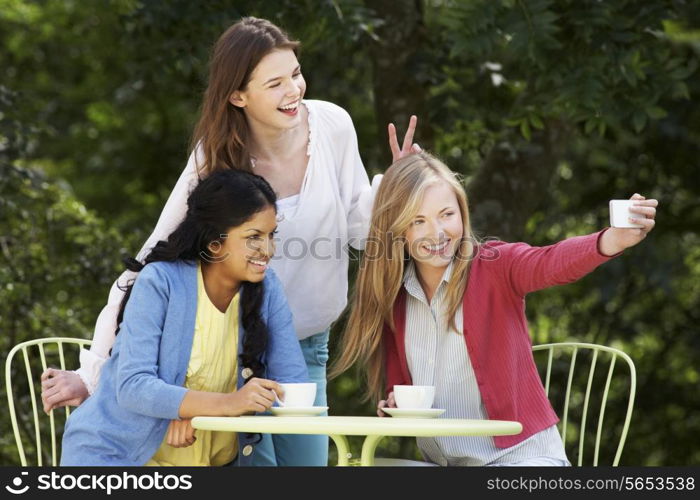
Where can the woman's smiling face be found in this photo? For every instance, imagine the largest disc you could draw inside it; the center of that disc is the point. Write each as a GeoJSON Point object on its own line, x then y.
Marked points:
{"type": "Point", "coordinates": [436, 229]}
{"type": "Point", "coordinates": [274, 92]}
{"type": "Point", "coordinates": [245, 251]}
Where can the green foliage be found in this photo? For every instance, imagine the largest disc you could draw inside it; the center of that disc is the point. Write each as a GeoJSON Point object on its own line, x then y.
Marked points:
{"type": "Point", "coordinates": [551, 107]}
{"type": "Point", "coordinates": [646, 301]}
{"type": "Point", "coordinates": [593, 65]}
{"type": "Point", "coordinates": [57, 259]}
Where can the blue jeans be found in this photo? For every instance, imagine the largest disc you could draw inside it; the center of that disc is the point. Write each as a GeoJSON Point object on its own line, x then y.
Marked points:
{"type": "Point", "coordinates": [301, 449]}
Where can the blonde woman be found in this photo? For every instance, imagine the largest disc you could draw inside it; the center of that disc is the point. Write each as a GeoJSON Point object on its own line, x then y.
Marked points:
{"type": "Point", "coordinates": [433, 306]}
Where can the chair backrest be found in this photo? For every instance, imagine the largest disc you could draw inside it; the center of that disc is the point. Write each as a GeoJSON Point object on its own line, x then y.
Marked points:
{"type": "Point", "coordinates": [23, 386]}
{"type": "Point", "coordinates": [573, 384]}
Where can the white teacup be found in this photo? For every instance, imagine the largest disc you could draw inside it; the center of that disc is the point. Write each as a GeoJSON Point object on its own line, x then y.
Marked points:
{"type": "Point", "coordinates": [297, 395]}
{"type": "Point", "coordinates": [414, 396]}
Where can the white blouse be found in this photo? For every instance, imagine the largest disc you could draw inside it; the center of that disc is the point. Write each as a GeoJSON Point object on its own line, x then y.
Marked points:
{"type": "Point", "coordinates": [332, 211]}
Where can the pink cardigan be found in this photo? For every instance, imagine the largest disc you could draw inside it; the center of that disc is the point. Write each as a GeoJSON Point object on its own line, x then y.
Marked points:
{"type": "Point", "coordinates": [495, 327]}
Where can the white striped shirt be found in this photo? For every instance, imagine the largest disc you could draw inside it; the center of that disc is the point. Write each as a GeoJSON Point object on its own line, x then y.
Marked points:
{"type": "Point", "coordinates": [437, 355]}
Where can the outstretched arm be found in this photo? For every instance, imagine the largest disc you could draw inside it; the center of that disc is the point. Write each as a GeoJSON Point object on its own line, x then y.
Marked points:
{"type": "Point", "coordinates": [534, 268]}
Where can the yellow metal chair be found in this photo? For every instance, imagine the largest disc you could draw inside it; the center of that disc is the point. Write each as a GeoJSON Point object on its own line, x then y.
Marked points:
{"type": "Point", "coordinates": [562, 381]}
{"type": "Point", "coordinates": [578, 404]}
{"type": "Point", "coordinates": [35, 427]}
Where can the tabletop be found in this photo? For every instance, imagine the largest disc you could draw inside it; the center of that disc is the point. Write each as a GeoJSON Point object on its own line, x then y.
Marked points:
{"type": "Point", "coordinates": [375, 428]}
{"type": "Point", "coordinates": [359, 426]}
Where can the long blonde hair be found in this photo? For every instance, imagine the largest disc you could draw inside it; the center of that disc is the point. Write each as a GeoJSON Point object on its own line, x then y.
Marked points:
{"type": "Point", "coordinates": [380, 276]}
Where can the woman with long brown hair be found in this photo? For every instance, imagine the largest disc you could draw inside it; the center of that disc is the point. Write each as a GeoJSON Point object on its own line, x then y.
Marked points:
{"type": "Point", "coordinates": [254, 117]}
{"type": "Point", "coordinates": [435, 307]}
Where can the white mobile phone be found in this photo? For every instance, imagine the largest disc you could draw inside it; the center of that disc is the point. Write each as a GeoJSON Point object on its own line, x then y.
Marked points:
{"type": "Point", "coordinates": [620, 214]}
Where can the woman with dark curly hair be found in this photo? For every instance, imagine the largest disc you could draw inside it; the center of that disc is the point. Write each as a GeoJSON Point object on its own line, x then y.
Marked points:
{"type": "Point", "coordinates": [205, 329]}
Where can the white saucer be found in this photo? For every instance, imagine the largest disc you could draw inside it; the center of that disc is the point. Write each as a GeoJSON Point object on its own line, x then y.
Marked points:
{"type": "Point", "coordinates": [414, 412]}
{"type": "Point", "coordinates": [297, 411]}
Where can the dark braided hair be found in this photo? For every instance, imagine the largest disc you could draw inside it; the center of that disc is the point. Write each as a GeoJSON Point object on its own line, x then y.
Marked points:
{"type": "Point", "coordinates": [223, 200]}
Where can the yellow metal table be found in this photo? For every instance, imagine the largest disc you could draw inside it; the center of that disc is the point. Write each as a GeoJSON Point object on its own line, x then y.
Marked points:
{"type": "Point", "coordinates": [374, 428]}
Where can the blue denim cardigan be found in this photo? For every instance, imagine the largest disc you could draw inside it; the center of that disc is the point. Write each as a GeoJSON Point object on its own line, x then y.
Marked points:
{"type": "Point", "coordinates": [142, 384]}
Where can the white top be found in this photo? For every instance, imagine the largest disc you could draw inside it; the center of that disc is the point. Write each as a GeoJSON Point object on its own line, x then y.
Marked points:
{"type": "Point", "coordinates": [288, 206]}
{"type": "Point", "coordinates": [333, 211]}
{"type": "Point", "coordinates": [437, 355]}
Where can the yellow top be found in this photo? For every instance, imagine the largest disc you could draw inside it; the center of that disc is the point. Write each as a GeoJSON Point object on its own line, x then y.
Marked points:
{"type": "Point", "coordinates": [212, 367]}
